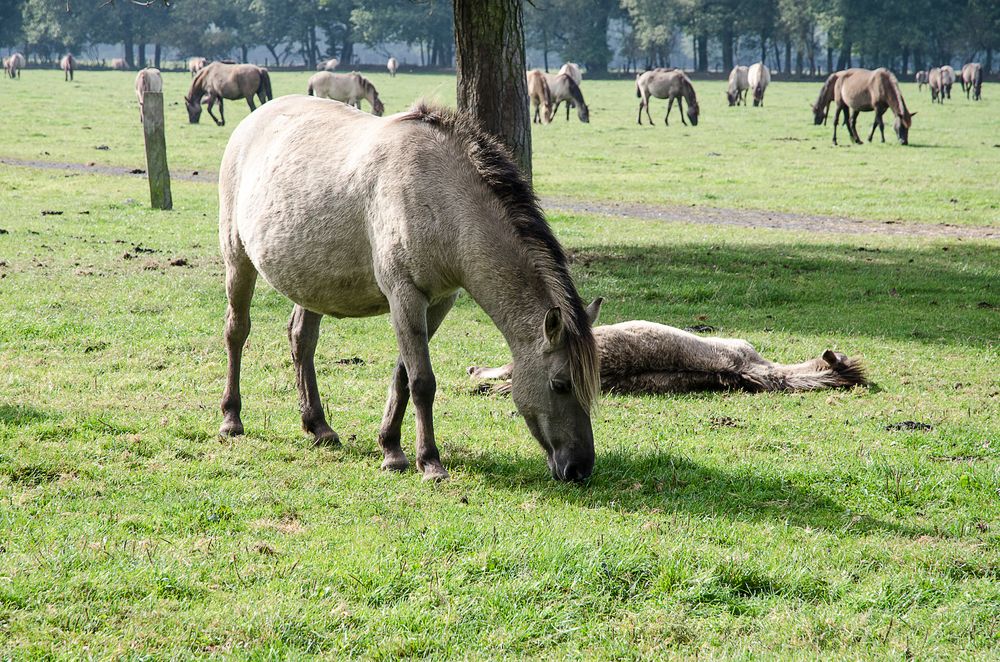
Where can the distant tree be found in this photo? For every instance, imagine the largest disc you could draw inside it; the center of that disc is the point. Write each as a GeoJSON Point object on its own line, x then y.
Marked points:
{"type": "Point", "coordinates": [654, 24]}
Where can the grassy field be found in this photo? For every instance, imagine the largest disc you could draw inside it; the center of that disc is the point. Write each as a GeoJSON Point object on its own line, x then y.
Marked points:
{"type": "Point", "coordinates": [722, 525]}
{"type": "Point", "coordinates": [771, 158]}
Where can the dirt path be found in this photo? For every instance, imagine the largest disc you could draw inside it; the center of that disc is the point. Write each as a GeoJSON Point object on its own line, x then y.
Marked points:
{"type": "Point", "coordinates": [743, 218]}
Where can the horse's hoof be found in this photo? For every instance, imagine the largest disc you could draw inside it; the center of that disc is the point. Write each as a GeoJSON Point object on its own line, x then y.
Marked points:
{"type": "Point", "coordinates": [327, 438]}
{"type": "Point", "coordinates": [435, 472]}
{"type": "Point", "coordinates": [231, 429]}
{"type": "Point", "coordinates": [396, 463]}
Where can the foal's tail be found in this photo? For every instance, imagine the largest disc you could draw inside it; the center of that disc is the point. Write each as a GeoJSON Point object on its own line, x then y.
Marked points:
{"type": "Point", "coordinates": [833, 370]}
{"type": "Point", "coordinates": [264, 89]}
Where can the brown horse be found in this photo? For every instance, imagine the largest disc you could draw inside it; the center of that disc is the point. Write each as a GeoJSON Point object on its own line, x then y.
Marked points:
{"type": "Point", "coordinates": [218, 81]}
{"type": "Point", "coordinates": [920, 78]}
{"type": "Point", "coordinates": [13, 65]}
{"type": "Point", "coordinates": [861, 90]}
{"type": "Point", "coordinates": [972, 80]}
{"type": "Point", "coordinates": [947, 79]}
{"type": "Point", "coordinates": [540, 96]}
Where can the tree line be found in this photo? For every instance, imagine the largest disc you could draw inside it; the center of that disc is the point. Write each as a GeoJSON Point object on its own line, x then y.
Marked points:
{"type": "Point", "coordinates": [792, 36]}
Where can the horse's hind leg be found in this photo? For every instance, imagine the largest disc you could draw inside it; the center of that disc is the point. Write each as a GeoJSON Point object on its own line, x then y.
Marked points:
{"type": "Point", "coordinates": [250, 102]}
{"type": "Point", "coordinates": [680, 109]}
{"type": "Point", "coordinates": [411, 376]}
{"type": "Point", "coordinates": [241, 276]}
{"type": "Point", "coordinates": [303, 333]}
{"type": "Point", "coordinates": [670, 105]}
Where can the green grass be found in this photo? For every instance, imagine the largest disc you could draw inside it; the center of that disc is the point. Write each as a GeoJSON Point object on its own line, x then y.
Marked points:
{"type": "Point", "coordinates": [771, 158]}
{"type": "Point", "coordinates": [128, 528]}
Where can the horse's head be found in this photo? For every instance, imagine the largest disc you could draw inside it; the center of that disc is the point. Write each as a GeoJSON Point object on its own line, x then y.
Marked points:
{"type": "Point", "coordinates": [377, 107]}
{"type": "Point", "coordinates": [819, 114]}
{"type": "Point", "coordinates": [583, 112]}
{"type": "Point", "coordinates": [553, 384]}
{"type": "Point", "coordinates": [692, 112]}
{"type": "Point", "coordinates": [902, 126]}
{"type": "Point", "coordinates": [194, 108]}
{"type": "Point", "coordinates": [732, 96]}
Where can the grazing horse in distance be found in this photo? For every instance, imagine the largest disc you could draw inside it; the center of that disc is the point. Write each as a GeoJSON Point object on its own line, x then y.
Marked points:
{"type": "Point", "coordinates": [572, 70]}
{"type": "Point", "coordinates": [920, 78]}
{"type": "Point", "coordinates": [119, 64]}
{"type": "Point", "coordinates": [738, 86]}
{"type": "Point", "coordinates": [934, 83]}
{"type": "Point", "coordinates": [821, 109]}
{"type": "Point", "coordinates": [147, 80]}
{"type": "Point", "coordinates": [68, 66]}
{"type": "Point", "coordinates": [349, 88]}
{"type": "Point", "coordinates": [392, 65]}
{"type": "Point", "coordinates": [218, 81]}
{"type": "Point", "coordinates": [641, 357]}
{"type": "Point", "coordinates": [350, 215]}
{"type": "Point", "coordinates": [972, 80]}
{"type": "Point", "coordinates": [667, 84]}
{"type": "Point", "coordinates": [540, 97]}
{"type": "Point", "coordinates": [562, 87]}
{"type": "Point", "coordinates": [947, 80]}
{"type": "Point", "coordinates": [758, 77]}
{"type": "Point", "coordinates": [12, 65]}
{"type": "Point", "coordinates": [196, 64]}
{"type": "Point", "coordinates": [862, 90]}
{"type": "Point", "coordinates": [328, 65]}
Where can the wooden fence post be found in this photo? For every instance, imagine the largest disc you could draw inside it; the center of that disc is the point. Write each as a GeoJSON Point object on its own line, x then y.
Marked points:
{"type": "Point", "coordinates": [156, 151]}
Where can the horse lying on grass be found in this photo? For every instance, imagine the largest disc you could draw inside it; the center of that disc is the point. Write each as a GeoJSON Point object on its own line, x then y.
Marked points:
{"type": "Point", "coordinates": [644, 357]}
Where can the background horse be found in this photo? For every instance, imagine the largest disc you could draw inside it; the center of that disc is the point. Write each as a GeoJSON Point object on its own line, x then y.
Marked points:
{"type": "Point", "coordinates": [328, 65]}
{"type": "Point", "coordinates": [821, 109]}
{"type": "Point", "coordinates": [572, 70]}
{"type": "Point", "coordinates": [667, 84]}
{"type": "Point", "coordinates": [68, 66]}
{"type": "Point", "coordinates": [972, 80]}
{"type": "Point", "coordinates": [348, 88]}
{"type": "Point", "coordinates": [947, 80]}
{"type": "Point", "coordinates": [350, 215]}
{"type": "Point", "coordinates": [861, 90]}
{"type": "Point", "coordinates": [934, 83]}
{"type": "Point", "coordinates": [218, 81]}
{"type": "Point", "coordinates": [13, 65]}
{"type": "Point", "coordinates": [648, 358]}
{"type": "Point", "coordinates": [196, 64]}
{"type": "Point", "coordinates": [758, 77]}
{"type": "Point", "coordinates": [562, 87]}
{"type": "Point", "coordinates": [119, 64]}
{"type": "Point", "coordinates": [392, 65]}
{"type": "Point", "coordinates": [921, 79]}
{"type": "Point", "coordinates": [540, 97]}
{"type": "Point", "coordinates": [738, 86]}
{"type": "Point", "coordinates": [147, 80]}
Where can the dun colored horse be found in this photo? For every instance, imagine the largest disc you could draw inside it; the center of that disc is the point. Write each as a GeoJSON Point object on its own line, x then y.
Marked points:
{"type": "Point", "coordinates": [12, 65]}
{"type": "Point", "coordinates": [68, 66]}
{"type": "Point", "coordinates": [572, 70]}
{"type": "Point", "coordinates": [758, 77]}
{"type": "Point", "coordinates": [738, 86]}
{"type": "Point", "coordinates": [196, 64]}
{"type": "Point", "coordinates": [947, 80]}
{"type": "Point", "coordinates": [666, 84]}
{"type": "Point", "coordinates": [218, 81]}
{"type": "Point", "coordinates": [648, 358]}
{"type": "Point", "coordinates": [328, 65]}
{"type": "Point", "coordinates": [350, 215]}
{"type": "Point", "coordinates": [921, 79]}
{"type": "Point", "coordinates": [563, 87]}
{"type": "Point", "coordinates": [972, 80]}
{"type": "Point", "coordinates": [147, 80]}
{"type": "Point", "coordinates": [348, 88]}
{"type": "Point", "coordinates": [119, 64]}
{"type": "Point", "coordinates": [540, 96]}
{"type": "Point", "coordinates": [392, 65]}
{"type": "Point", "coordinates": [862, 90]}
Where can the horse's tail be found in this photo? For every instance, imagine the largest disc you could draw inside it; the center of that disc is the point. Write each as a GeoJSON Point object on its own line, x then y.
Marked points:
{"type": "Point", "coordinates": [265, 85]}
{"type": "Point", "coordinates": [309, 90]}
{"type": "Point", "coordinates": [834, 370]}
{"type": "Point", "coordinates": [638, 93]}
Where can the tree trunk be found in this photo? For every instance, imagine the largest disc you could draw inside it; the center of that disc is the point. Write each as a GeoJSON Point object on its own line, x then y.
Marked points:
{"type": "Point", "coordinates": [157, 52]}
{"type": "Point", "coordinates": [489, 50]}
{"type": "Point", "coordinates": [799, 63]}
{"type": "Point", "coordinates": [271, 48]}
{"type": "Point", "coordinates": [142, 55]}
{"type": "Point", "coordinates": [906, 61]}
{"type": "Point", "coordinates": [989, 61]}
{"type": "Point", "coordinates": [702, 52]}
{"type": "Point", "coordinates": [727, 49]}
{"type": "Point", "coordinates": [829, 57]}
{"type": "Point", "coordinates": [244, 51]}
{"type": "Point", "coordinates": [129, 56]}
{"type": "Point", "coordinates": [347, 46]}
{"type": "Point", "coordinates": [845, 55]}
{"type": "Point", "coordinates": [788, 57]}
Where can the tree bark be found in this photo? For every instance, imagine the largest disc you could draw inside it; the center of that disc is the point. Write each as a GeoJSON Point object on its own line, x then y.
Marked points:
{"type": "Point", "coordinates": [129, 56]}
{"type": "Point", "coordinates": [157, 53]}
{"type": "Point", "coordinates": [702, 52]}
{"type": "Point", "coordinates": [141, 58]}
{"type": "Point", "coordinates": [489, 52]}
{"type": "Point", "coordinates": [727, 49]}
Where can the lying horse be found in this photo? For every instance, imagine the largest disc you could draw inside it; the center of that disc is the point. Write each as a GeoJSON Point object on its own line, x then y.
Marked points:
{"type": "Point", "coordinates": [350, 215]}
{"type": "Point", "coordinates": [861, 90]}
{"type": "Point", "coordinates": [972, 80]}
{"type": "Point", "coordinates": [12, 65]}
{"type": "Point", "coordinates": [666, 84]}
{"type": "Point", "coordinates": [219, 80]}
{"type": "Point", "coordinates": [758, 77]}
{"type": "Point", "coordinates": [349, 88]}
{"type": "Point", "coordinates": [644, 357]}
{"type": "Point", "coordinates": [738, 86]}
{"type": "Point", "coordinates": [147, 80]}
{"type": "Point", "coordinates": [562, 87]}
{"type": "Point", "coordinates": [68, 66]}
{"type": "Point", "coordinates": [540, 96]}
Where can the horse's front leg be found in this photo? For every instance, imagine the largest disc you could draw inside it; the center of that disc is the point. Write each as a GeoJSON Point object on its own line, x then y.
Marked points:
{"type": "Point", "coordinates": [670, 105]}
{"type": "Point", "coordinates": [854, 127]}
{"type": "Point", "coordinates": [680, 109]}
{"type": "Point", "coordinates": [211, 103]}
{"type": "Point", "coordinates": [303, 333]}
{"type": "Point", "coordinates": [836, 123]}
{"type": "Point", "coordinates": [414, 326]}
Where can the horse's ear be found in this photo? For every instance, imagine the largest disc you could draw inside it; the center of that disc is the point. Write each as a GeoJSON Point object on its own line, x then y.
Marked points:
{"type": "Point", "coordinates": [913, 114]}
{"type": "Point", "coordinates": [594, 310]}
{"type": "Point", "coordinates": [833, 358]}
{"type": "Point", "coordinates": [554, 327]}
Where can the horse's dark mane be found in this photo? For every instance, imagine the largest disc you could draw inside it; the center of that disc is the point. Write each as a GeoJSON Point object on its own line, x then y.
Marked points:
{"type": "Point", "coordinates": [574, 90]}
{"type": "Point", "coordinates": [495, 165]}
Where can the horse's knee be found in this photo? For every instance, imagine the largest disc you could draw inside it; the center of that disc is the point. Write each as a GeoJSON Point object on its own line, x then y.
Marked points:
{"type": "Point", "coordinates": [422, 388]}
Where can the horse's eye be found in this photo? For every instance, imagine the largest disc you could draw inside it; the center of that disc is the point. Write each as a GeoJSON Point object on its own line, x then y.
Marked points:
{"type": "Point", "coordinates": [560, 386]}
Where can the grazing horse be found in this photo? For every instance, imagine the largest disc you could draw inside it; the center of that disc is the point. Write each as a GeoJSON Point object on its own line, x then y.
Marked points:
{"type": "Point", "coordinates": [68, 66]}
{"type": "Point", "coordinates": [862, 90]}
{"type": "Point", "coordinates": [13, 65]}
{"type": "Point", "coordinates": [349, 88]}
{"type": "Point", "coordinates": [947, 80]}
{"type": "Point", "coordinates": [350, 215]}
{"type": "Point", "coordinates": [392, 65]}
{"type": "Point", "coordinates": [218, 81]}
{"type": "Point", "coordinates": [934, 83]}
{"type": "Point", "coordinates": [666, 84]}
{"type": "Point", "coordinates": [972, 80]}
{"type": "Point", "coordinates": [147, 80]}
{"type": "Point", "coordinates": [738, 86]}
{"type": "Point", "coordinates": [921, 79]}
{"type": "Point", "coordinates": [119, 64]}
{"type": "Point", "coordinates": [821, 109]}
{"type": "Point", "coordinates": [647, 358]}
{"type": "Point", "coordinates": [572, 70]}
{"type": "Point", "coordinates": [562, 87]}
{"type": "Point", "coordinates": [328, 65]}
{"type": "Point", "coordinates": [540, 96]}
{"type": "Point", "coordinates": [196, 64]}
{"type": "Point", "coordinates": [758, 77]}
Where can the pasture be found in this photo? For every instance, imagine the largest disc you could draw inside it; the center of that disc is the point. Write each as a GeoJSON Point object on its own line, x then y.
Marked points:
{"type": "Point", "coordinates": [728, 525]}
